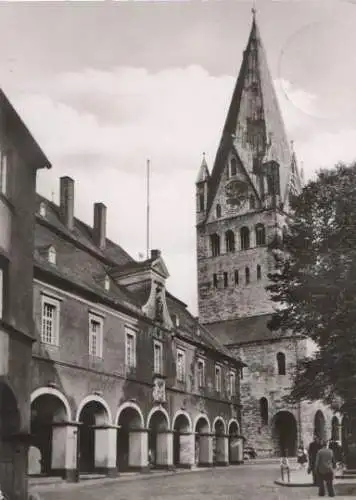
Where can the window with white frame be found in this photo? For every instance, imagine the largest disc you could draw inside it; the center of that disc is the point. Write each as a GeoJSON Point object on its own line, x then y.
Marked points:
{"type": "Point", "coordinates": [1, 292]}
{"type": "Point", "coordinates": [200, 373]}
{"type": "Point", "coordinates": [52, 255]}
{"type": "Point", "coordinates": [232, 383]}
{"type": "Point", "coordinates": [217, 378]}
{"type": "Point", "coordinates": [43, 211]}
{"type": "Point", "coordinates": [50, 321]}
{"type": "Point", "coordinates": [180, 365]}
{"type": "Point", "coordinates": [3, 172]}
{"type": "Point", "coordinates": [130, 348]}
{"type": "Point", "coordinates": [107, 283]}
{"type": "Point", "coordinates": [96, 326]}
{"type": "Point", "coordinates": [157, 357]}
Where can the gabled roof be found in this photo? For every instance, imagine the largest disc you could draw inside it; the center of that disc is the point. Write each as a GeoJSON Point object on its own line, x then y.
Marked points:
{"type": "Point", "coordinates": [20, 135]}
{"type": "Point", "coordinates": [254, 104]}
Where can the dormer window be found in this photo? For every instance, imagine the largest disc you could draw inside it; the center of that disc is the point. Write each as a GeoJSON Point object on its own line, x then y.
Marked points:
{"type": "Point", "coordinates": [43, 210]}
{"type": "Point", "coordinates": [233, 167]}
{"type": "Point", "coordinates": [52, 255]}
{"type": "Point", "coordinates": [175, 320]}
{"type": "Point", "coordinates": [107, 283]}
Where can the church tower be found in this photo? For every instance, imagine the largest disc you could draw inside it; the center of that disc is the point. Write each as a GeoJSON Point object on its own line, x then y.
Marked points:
{"type": "Point", "coordinates": [242, 205]}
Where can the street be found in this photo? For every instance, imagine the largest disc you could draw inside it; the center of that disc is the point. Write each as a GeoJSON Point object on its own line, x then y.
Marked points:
{"type": "Point", "coordinates": [247, 482]}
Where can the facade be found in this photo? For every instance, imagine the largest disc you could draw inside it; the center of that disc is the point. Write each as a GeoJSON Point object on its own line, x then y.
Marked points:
{"type": "Point", "coordinates": [242, 206]}
{"type": "Point", "coordinates": [123, 376]}
{"type": "Point", "coordinates": [20, 157]}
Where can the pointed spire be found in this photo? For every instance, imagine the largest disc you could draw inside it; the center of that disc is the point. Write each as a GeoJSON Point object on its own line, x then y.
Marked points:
{"type": "Point", "coordinates": [203, 174]}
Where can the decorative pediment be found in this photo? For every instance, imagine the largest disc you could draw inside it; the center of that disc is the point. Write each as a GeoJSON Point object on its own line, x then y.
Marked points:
{"type": "Point", "coordinates": [160, 267]}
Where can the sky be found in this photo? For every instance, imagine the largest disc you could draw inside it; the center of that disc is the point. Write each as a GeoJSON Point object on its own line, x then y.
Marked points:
{"type": "Point", "coordinates": [103, 86]}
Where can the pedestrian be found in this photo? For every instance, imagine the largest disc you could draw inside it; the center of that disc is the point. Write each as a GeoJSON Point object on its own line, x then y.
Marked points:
{"type": "Point", "coordinates": [313, 449]}
{"type": "Point", "coordinates": [285, 467]}
{"type": "Point", "coordinates": [324, 469]}
{"type": "Point", "coordinates": [302, 457]}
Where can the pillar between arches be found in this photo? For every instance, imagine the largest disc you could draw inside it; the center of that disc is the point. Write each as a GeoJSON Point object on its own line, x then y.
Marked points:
{"type": "Point", "coordinates": [221, 450]}
{"type": "Point", "coordinates": [164, 449]}
{"type": "Point", "coordinates": [186, 450]}
{"type": "Point", "coordinates": [236, 450]}
{"type": "Point", "coordinates": [64, 457]}
{"type": "Point", "coordinates": [138, 450]}
{"type": "Point", "coordinates": [205, 449]}
{"type": "Point", "coordinates": [105, 449]}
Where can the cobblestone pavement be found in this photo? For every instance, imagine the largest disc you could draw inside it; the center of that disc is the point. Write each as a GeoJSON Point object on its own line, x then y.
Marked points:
{"type": "Point", "coordinates": [247, 482]}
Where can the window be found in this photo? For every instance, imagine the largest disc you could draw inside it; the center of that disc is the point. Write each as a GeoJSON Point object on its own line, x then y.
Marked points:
{"type": "Point", "coordinates": [43, 210]}
{"type": "Point", "coordinates": [180, 365]}
{"type": "Point", "coordinates": [258, 272]}
{"type": "Point", "coordinates": [95, 335]}
{"type": "Point", "coordinates": [215, 245]}
{"type": "Point", "coordinates": [218, 378]}
{"type": "Point", "coordinates": [2, 294]}
{"type": "Point", "coordinates": [218, 210]}
{"type": "Point", "coordinates": [201, 202]}
{"type": "Point", "coordinates": [236, 275]}
{"type": "Point", "coordinates": [157, 357]}
{"type": "Point", "coordinates": [226, 280]}
{"type": "Point", "coordinates": [247, 275]}
{"type": "Point", "coordinates": [245, 238]}
{"type": "Point", "coordinates": [252, 202]}
{"type": "Point", "coordinates": [281, 363]}
{"type": "Point", "coordinates": [264, 411]}
{"type": "Point", "coordinates": [260, 235]}
{"type": "Point", "coordinates": [50, 321]}
{"type": "Point", "coordinates": [232, 383]}
{"type": "Point", "coordinates": [107, 283]}
{"type": "Point", "coordinates": [52, 257]}
{"type": "Point", "coordinates": [3, 173]}
{"type": "Point", "coordinates": [230, 241]}
{"type": "Point", "coordinates": [233, 167]}
{"type": "Point", "coordinates": [215, 280]}
{"type": "Point", "coordinates": [201, 373]}
{"type": "Point", "coordinates": [130, 354]}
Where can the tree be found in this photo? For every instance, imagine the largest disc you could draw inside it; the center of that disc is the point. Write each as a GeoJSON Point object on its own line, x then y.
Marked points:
{"type": "Point", "coordinates": [314, 286]}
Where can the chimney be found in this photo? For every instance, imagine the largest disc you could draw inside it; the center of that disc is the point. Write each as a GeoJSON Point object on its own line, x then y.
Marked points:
{"type": "Point", "coordinates": [67, 201]}
{"type": "Point", "coordinates": [155, 254]}
{"type": "Point", "coordinates": [99, 230]}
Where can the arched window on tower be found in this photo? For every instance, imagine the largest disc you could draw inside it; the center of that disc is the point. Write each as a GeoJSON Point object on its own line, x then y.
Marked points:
{"type": "Point", "coordinates": [230, 241]}
{"type": "Point", "coordinates": [218, 210]}
{"type": "Point", "coordinates": [236, 275]}
{"type": "Point", "coordinates": [245, 238]}
{"type": "Point", "coordinates": [281, 363]}
{"type": "Point", "coordinates": [258, 272]}
{"type": "Point", "coordinates": [215, 245]}
{"type": "Point", "coordinates": [226, 280]}
{"type": "Point", "coordinates": [247, 275]}
{"type": "Point", "coordinates": [264, 411]}
{"type": "Point", "coordinates": [233, 167]}
{"type": "Point", "coordinates": [260, 235]}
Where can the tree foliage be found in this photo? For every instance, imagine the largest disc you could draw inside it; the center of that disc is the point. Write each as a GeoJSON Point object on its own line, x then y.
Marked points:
{"type": "Point", "coordinates": [314, 285]}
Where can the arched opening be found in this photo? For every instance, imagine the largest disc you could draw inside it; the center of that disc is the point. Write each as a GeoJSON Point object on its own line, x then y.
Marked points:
{"type": "Point", "coordinates": [215, 245]}
{"type": "Point", "coordinates": [281, 363]}
{"type": "Point", "coordinates": [9, 426]}
{"type": "Point", "coordinates": [230, 241]}
{"type": "Point", "coordinates": [221, 443]}
{"type": "Point", "coordinates": [202, 436]}
{"type": "Point", "coordinates": [247, 275]}
{"type": "Point", "coordinates": [128, 443]}
{"type": "Point", "coordinates": [245, 238]}
{"type": "Point", "coordinates": [218, 210]}
{"type": "Point", "coordinates": [158, 439]}
{"type": "Point", "coordinates": [258, 272]}
{"type": "Point", "coordinates": [92, 416]}
{"type": "Point", "coordinates": [285, 434]}
{"type": "Point", "coordinates": [182, 449]}
{"type": "Point", "coordinates": [260, 235]}
{"type": "Point", "coordinates": [235, 443]}
{"type": "Point", "coordinates": [264, 411]}
{"type": "Point", "coordinates": [48, 441]}
{"type": "Point", "coordinates": [335, 429]}
{"type": "Point", "coordinates": [319, 425]}
{"type": "Point", "coordinates": [233, 167]}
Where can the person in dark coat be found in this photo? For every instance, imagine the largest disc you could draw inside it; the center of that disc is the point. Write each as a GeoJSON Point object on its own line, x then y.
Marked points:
{"type": "Point", "coordinates": [314, 447]}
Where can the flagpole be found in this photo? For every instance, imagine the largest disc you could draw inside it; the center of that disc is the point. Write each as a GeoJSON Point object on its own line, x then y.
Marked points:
{"type": "Point", "coordinates": [148, 211]}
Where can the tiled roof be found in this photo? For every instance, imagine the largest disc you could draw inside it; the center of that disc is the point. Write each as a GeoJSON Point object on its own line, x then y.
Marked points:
{"type": "Point", "coordinates": [244, 330]}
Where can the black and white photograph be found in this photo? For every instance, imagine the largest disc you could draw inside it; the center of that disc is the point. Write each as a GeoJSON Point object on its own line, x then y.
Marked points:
{"type": "Point", "coordinates": [177, 249]}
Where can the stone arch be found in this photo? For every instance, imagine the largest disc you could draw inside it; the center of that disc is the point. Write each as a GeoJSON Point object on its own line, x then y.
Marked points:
{"type": "Point", "coordinates": [335, 429]}
{"type": "Point", "coordinates": [94, 415]}
{"type": "Point", "coordinates": [53, 392]}
{"type": "Point", "coordinates": [129, 442]}
{"type": "Point", "coordinates": [235, 442]}
{"type": "Point", "coordinates": [202, 430]}
{"type": "Point", "coordinates": [155, 410]}
{"type": "Point", "coordinates": [232, 425]}
{"type": "Point", "coordinates": [320, 425]}
{"type": "Point", "coordinates": [183, 413]}
{"type": "Point", "coordinates": [285, 433]}
{"type": "Point", "coordinates": [183, 442]}
{"type": "Point", "coordinates": [49, 407]}
{"type": "Point", "coordinates": [221, 421]}
{"type": "Point", "coordinates": [97, 399]}
{"type": "Point", "coordinates": [201, 417]}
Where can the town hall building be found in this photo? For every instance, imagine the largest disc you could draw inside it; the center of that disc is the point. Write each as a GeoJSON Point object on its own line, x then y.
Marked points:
{"type": "Point", "coordinates": [243, 205]}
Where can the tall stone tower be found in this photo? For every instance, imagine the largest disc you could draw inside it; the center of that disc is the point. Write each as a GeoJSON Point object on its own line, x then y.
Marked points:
{"type": "Point", "coordinates": [241, 207]}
